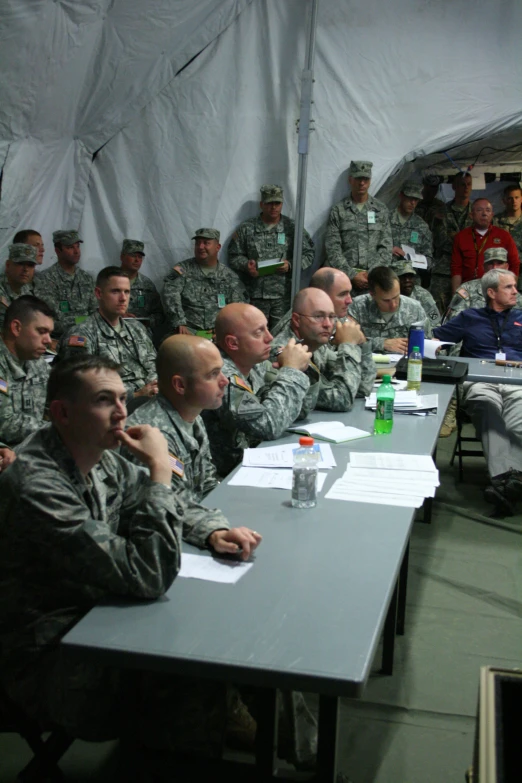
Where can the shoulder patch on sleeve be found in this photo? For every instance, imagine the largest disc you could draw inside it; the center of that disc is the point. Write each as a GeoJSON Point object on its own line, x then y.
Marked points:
{"type": "Point", "coordinates": [77, 341]}
{"type": "Point", "coordinates": [178, 269]}
{"type": "Point", "coordinates": [3, 386]}
{"type": "Point", "coordinates": [176, 465]}
{"type": "Point", "coordinates": [241, 383]}
{"type": "Point", "coordinates": [4, 301]}
{"type": "Point", "coordinates": [463, 293]}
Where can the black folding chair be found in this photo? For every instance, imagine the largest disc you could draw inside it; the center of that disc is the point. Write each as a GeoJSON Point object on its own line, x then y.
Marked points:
{"type": "Point", "coordinates": [460, 450]}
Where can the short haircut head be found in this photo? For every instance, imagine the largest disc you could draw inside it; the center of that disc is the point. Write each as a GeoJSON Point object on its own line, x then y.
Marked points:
{"type": "Point", "coordinates": [383, 277]}
{"type": "Point", "coordinates": [511, 188]}
{"type": "Point", "coordinates": [461, 175]}
{"type": "Point", "coordinates": [177, 356]}
{"type": "Point", "coordinates": [21, 237]}
{"type": "Point", "coordinates": [323, 279]}
{"type": "Point", "coordinates": [491, 279]}
{"type": "Point", "coordinates": [66, 378]}
{"type": "Point", "coordinates": [110, 271]}
{"type": "Point", "coordinates": [24, 310]}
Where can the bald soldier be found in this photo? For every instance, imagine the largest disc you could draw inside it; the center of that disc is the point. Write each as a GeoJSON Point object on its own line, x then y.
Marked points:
{"type": "Point", "coordinates": [260, 401]}
{"type": "Point", "coordinates": [344, 371]}
{"type": "Point", "coordinates": [190, 378]}
{"type": "Point", "coordinates": [336, 284]}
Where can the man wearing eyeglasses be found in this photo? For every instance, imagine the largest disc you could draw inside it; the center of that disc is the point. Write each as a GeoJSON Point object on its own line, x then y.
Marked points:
{"type": "Point", "coordinates": [385, 315]}
{"type": "Point", "coordinates": [345, 371]}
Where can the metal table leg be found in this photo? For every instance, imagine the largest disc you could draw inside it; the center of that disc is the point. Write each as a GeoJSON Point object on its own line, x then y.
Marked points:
{"type": "Point", "coordinates": [327, 739]}
{"type": "Point", "coordinates": [266, 735]}
{"type": "Point", "coordinates": [390, 625]}
{"type": "Point", "coordinates": [403, 585]}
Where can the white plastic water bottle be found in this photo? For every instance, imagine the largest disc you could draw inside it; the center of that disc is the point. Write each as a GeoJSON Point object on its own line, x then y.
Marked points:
{"type": "Point", "coordinates": [304, 478]}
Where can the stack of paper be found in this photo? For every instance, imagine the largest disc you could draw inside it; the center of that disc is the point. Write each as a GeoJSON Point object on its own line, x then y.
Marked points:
{"type": "Point", "coordinates": [333, 431]}
{"type": "Point", "coordinates": [269, 266]}
{"type": "Point", "coordinates": [408, 402]}
{"type": "Point", "coordinates": [387, 479]}
{"type": "Point", "coordinates": [282, 456]}
{"type": "Point", "coordinates": [386, 358]}
{"type": "Point", "coordinates": [271, 478]}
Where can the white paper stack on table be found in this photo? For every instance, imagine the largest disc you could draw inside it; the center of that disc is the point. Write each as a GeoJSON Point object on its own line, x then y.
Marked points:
{"type": "Point", "coordinates": [333, 431]}
{"type": "Point", "coordinates": [271, 466]}
{"type": "Point", "coordinates": [387, 479]}
{"type": "Point", "coordinates": [408, 402]}
{"type": "Point", "coordinates": [386, 358]}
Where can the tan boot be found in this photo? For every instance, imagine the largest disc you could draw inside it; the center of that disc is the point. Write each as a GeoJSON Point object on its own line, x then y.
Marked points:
{"type": "Point", "coordinates": [449, 424]}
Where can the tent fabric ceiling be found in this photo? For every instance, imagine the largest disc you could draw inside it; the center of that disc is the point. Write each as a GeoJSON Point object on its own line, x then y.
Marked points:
{"type": "Point", "coordinates": [395, 83]}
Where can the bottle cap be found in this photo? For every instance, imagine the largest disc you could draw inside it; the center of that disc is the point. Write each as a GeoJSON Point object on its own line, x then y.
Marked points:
{"type": "Point", "coordinates": [415, 348]}
{"type": "Point", "coordinates": [306, 441]}
{"type": "Point", "coordinates": [386, 378]}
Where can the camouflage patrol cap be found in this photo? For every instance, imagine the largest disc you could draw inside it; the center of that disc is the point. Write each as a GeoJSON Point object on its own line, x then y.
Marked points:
{"type": "Point", "coordinates": [404, 269]}
{"type": "Point", "coordinates": [360, 168]}
{"type": "Point", "coordinates": [132, 247]}
{"type": "Point", "coordinates": [496, 254]}
{"type": "Point", "coordinates": [22, 254]}
{"type": "Point", "coordinates": [66, 238]}
{"type": "Point", "coordinates": [411, 189]}
{"type": "Point", "coordinates": [207, 233]}
{"type": "Point", "coordinates": [271, 193]}
{"type": "Point", "coordinates": [431, 179]}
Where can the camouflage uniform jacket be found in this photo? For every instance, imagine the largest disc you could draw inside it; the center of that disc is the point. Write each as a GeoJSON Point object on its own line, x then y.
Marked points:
{"type": "Point", "coordinates": [445, 228]}
{"type": "Point", "coordinates": [414, 232]}
{"type": "Point", "coordinates": [377, 329]}
{"type": "Point", "coordinates": [258, 406]}
{"type": "Point", "coordinates": [132, 348]}
{"type": "Point", "coordinates": [145, 301]}
{"type": "Point", "coordinates": [352, 243]}
{"type": "Point", "coordinates": [7, 295]}
{"type": "Point", "coordinates": [23, 393]}
{"type": "Point", "coordinates": [423, 296]}
{"type": "Point", "coordinates": [469, 295]}
{"type": "Point", "coordinates": [515, 229]}
{"type": "Point", "coordinates": [193, 472]}
{"type": "Point", "coordinates": [428, 211]}
{"type": "Point", "coordinates": [346, 371]}
{"type": "Point", "coordinates": [69, 542]}
{"type": "Point", "coordinates": [193, 299]}
{"type": "Point", "coordinates": [70, 296]}
{"type": "Point", "coordinates": [256, 240]}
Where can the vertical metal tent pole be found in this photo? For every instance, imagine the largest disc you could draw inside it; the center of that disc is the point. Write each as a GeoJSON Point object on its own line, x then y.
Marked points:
{"type": "Point", "coordinates": [305, 118]}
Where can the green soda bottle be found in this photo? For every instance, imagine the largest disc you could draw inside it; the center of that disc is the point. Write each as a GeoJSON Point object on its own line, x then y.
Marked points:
{"type": "Point", "coordinates": [384, 411]}
{"type": "Point", "coordinates": [414, 375]}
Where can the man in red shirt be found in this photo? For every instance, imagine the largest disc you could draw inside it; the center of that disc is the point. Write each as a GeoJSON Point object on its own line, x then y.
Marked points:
{"type": "Point", "coordinates": [467, 260]}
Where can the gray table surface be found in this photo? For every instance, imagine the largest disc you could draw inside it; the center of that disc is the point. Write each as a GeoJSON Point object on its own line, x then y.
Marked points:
{"type": "Point", "coordinates": [486, 371]}
{"type": "Point", "coordinates": [309, 614]}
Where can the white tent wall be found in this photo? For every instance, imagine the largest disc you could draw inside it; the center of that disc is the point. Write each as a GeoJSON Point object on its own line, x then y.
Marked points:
{"type": "Point", "coordinates": [394, 82]}
{"type": "Point", "coordinates": [74, 72]}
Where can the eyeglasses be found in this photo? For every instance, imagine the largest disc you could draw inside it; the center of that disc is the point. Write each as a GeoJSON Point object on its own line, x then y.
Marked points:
{"type": "Point", "coordinates": [320, 317]}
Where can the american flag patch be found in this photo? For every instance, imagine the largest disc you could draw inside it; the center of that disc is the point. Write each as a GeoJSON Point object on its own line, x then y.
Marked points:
{"type": "Point", "coordinates": [3, 386]}
{"type": "Point", "coordinates": [517, 323]}
{"type": "Point", "coordinates": [77, 341]}
{"type": "Point", "coordinates": [176, 465]}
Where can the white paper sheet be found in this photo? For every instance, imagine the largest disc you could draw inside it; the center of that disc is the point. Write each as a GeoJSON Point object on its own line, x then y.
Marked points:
{"type": "Point", "coordinates": [418, 261]}
{"type": "Point", "coordinates": [392, 358]}
{"type": "Point", "coordinates": [340, 491]}
{"type": "Point", "coordinates": [211, 569]}
{"type": "Point", "coordinates": [272, 478]}
{"type": "Point", "coordinates": [408, 462]}
{"type": "Point", "coordinates": [432, 346]}
{"type": "Point", "coordinates": [334, 431]}
{"type": "Point", "coordinates": [282, 456]}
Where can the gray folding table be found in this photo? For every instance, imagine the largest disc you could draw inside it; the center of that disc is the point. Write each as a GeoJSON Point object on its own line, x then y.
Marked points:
{"type": "Point", "coordinates": [309, 614]}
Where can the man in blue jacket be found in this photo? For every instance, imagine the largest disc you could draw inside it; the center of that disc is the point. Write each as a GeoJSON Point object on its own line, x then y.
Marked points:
{"type": "Point", "coordinates": [495, 409]}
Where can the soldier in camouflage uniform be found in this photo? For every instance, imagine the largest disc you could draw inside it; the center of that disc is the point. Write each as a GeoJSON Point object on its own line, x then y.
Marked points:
{"type": "Point", "coordinates": [358, 235]}
{"type": "Point", "coordinates": [455, 217]}
{"type": "Point", "coordinates": [64, 286]}
{"type": "Point", "coordinates": [384, 315]}
{"type": "Point", "coordinates": [17, 279]}
{"type": "Point", "coordinates": [196, 290]}
{"type": "Point", "coordinates": [145, 302]}
{"type": "Point", "coordinates": [347, 370]}
{"type": "Point", "coordinates": [430, 207]}
{"type": "Point", "coordinates": [23, 370]}
{"type": "Point", "coordinates": [470, 294]}
{"type": "Point", "coordinates": [407, 279]}
{"type": "Point", "coordinates": [27, 236]}
{"type": "Point", "coordinates": [511, 218]}
{"type": "Point", "coordinates": [260, 402]}
{"type": "Point", "coordinates": [268, 236]}
{"type": "Point", "coordinates": [410, 229]}
{"type": "Point", "coordinates": [107, 333]}
{"type": "Point", "coordinates": [90, 527]}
